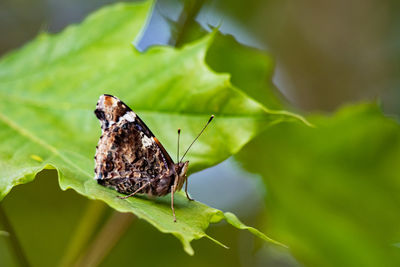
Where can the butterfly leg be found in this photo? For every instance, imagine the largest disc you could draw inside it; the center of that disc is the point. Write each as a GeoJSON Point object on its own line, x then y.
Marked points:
{"type": "Point", "coordinates": [137, 191]}
{"type": "Point", "coordinates": [186, 187]}
{"type": "Point", "coordinates": [172, 202]}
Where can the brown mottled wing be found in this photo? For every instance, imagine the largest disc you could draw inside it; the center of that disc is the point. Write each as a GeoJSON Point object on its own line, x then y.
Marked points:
{"type": "Point", "coordinates": [128, 155]}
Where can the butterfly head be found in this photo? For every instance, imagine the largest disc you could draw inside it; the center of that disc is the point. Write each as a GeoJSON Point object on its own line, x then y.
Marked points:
{"type": "Point", "coordinates": [181, 169]}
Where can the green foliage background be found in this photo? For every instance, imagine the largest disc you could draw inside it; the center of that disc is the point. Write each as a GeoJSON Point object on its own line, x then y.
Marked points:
{"type": "Point", "coordinates": [332, 185]}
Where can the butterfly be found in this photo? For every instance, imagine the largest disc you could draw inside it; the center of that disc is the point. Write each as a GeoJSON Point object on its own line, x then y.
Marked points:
{"type": "Point", "coordinates": [130, 159]}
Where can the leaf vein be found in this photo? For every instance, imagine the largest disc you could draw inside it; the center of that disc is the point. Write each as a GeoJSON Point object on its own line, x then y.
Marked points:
{"type": "Point", "coordinates": [24, 132]}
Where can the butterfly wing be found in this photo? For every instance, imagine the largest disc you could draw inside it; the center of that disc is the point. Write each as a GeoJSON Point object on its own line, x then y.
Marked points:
{"type": "Point", "coordinates": [128, 154]}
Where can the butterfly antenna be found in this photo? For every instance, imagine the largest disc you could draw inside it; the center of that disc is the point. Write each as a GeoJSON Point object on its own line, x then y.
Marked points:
{"type": "Point", "coordinates": [205, 126]}
{"type": "Point", "coordinates": [179, 134]}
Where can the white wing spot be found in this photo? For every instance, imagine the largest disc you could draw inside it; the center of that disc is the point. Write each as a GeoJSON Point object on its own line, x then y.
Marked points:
{"type": "Point", "coordinates": [129, 116]}
{"type": "Point", "coordinates": [114, 102]}
{"type": "Point", "coordinates": [146, 141]}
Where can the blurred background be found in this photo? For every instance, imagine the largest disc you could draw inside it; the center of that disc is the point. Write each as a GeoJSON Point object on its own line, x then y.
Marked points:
{"type": "Point", "coordinates": [325, 53]}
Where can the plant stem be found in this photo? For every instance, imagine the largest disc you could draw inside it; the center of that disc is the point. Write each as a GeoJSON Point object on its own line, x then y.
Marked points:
{"type": "Point", "coordinates": [13, 240]}
{"type": "Point", "coordinates": [106, 239]}
{"type": "Point", "coordinates": [187, 17]}
{"type": "Point", "coordinates": [87, 225]}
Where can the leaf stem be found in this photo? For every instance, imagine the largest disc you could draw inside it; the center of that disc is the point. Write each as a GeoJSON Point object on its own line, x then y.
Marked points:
{"type": "Point", "coordinates": [13, 240]}
{"type": "Point", "coordinates": [87, 225]}
{"type": "Point", "coordinates": [106, 239]}
{"type": "Point", "coordinates": [189, 13]}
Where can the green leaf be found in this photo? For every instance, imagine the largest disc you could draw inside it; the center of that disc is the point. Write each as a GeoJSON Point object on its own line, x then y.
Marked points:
{"type": "Point", "coordinates": [334, 190]}
{"type": "Point", "coordinates": [251, 69]}
{"type": "Point", "coordinates": [50, 87]}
